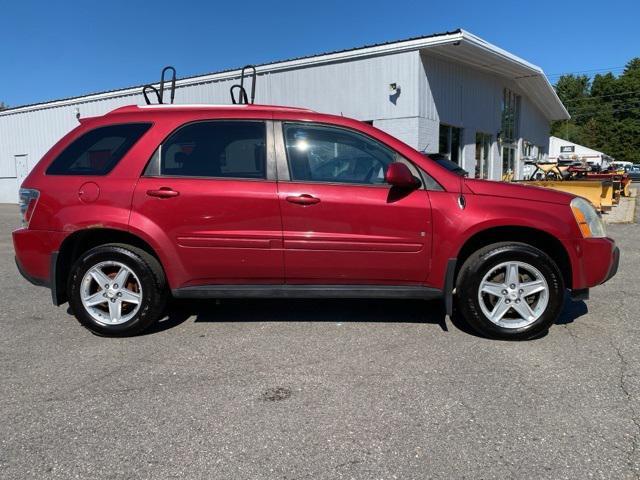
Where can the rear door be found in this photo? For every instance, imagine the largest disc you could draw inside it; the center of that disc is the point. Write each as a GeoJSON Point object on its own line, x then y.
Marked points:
{"type": "Point", "coordinates": [209, 191]}
{"type": "Point", "coordinates": [341, 222]}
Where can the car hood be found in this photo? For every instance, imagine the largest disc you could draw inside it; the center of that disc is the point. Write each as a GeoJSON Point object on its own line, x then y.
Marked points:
{"type": "Point", "coordinates": [517, 191]}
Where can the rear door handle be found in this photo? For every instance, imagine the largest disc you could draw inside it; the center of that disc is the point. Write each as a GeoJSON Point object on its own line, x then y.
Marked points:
{"type": "Point", "coordinates": [304, 199]}
{"type": "Point", "coordinates": [163, 192]}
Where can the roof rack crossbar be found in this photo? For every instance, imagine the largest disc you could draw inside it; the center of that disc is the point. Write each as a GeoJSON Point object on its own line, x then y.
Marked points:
{"type": "Point", "coordinates": [146, 98]}
{"type": "Point", "coordinates": [173, 83]}
{"type": "Point", "coordinates": [160, 93]}
{"type": "Point", "coordinates": [253, 81]}
{"type": "Point", "coordinates": [242, 95]}
{"type": "Point", "coordinates": [243, 98]}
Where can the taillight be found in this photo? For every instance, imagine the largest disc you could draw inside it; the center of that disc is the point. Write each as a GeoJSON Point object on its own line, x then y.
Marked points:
{"type": "Point", "coordinates": [28, 200]}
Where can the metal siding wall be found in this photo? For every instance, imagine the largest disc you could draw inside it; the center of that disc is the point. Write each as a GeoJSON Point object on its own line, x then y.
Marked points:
{"type": "Point", "coordinates": [9, 190]}
{"type": "Point", "coordinates": [534, 126]}
{"type": "Point", "coordinates": [462, 96]}
{"type": "Point", "coordinates": [358, 89]}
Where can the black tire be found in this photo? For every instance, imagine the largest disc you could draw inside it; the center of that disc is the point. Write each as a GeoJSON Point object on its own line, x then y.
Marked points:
{"type": "Point", "coordinates": [148, 271]}
{"type": "Point", "coordinates": [481, 263]}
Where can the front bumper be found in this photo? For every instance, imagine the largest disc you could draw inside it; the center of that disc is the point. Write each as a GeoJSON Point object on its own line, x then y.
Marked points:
{"type": "Point", "coordinates": [595, 260]}
{"type": "Point", "coordinates": [613, 269]}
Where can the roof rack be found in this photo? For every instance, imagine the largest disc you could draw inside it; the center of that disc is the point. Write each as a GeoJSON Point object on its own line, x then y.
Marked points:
{"type": "Point", "coordinates": [160, 94]}
{"type": "Point", "coordinates": [242, 94]}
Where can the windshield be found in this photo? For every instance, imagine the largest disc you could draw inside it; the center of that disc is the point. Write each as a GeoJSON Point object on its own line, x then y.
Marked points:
{"type": "Point", "coordinates": [446, 163]}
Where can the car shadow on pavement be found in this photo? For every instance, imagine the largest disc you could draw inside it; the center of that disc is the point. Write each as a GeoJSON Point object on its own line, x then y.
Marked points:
{"type": "Point", "coordinates": [572, 311]}
{"type": "Point", "coordinates": [325, 310]}
{"type": "Point", "coordinates": [298, 310]}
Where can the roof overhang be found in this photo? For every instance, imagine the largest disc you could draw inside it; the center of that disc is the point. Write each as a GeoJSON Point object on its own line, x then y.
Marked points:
{"type": "Point", "coordinates": [478, 53]}
{"type": "Point", "coordinates": [459, 45]}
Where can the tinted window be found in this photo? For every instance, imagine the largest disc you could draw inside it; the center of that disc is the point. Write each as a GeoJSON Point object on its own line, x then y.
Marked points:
{"type": "Point", "coordinates": [98, 151]}
{"type": "Point", "coordinates": [326, 154]}
{"type": "Point", "coordinates": [216, 149]}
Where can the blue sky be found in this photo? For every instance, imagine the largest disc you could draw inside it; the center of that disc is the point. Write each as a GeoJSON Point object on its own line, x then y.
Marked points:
{"type": "Point", "coordinates": [55, 49]}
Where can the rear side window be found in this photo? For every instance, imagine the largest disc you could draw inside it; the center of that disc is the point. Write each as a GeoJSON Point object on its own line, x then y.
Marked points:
{"type": "Point", "coordinates": [97, 152]}
{"type": "Point", "coordinates": [233, 149]}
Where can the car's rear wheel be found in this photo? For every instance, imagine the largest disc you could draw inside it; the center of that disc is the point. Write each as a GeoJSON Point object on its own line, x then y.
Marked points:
{"type": "Point", "coordinates": [117, 290]}
{"type": "Point", "coordinates": [510, 291]}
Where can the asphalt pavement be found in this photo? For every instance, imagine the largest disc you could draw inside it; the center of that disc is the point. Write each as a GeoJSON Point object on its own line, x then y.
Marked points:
{"type": "Point", "coordinates": [319, 389]}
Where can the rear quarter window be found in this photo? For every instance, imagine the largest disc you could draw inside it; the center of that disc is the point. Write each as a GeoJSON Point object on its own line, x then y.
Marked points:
{"type": "Point", "coordinates": [98, 151]}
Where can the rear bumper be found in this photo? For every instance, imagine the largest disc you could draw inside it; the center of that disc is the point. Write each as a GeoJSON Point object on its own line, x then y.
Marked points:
{"type": "Point", "coordinates": [35, 254]}
{"type": "Point", "coordinates": [38, 282]}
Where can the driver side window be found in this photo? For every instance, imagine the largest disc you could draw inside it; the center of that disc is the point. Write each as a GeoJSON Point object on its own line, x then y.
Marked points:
{"type": "Point", "coordinates": [318, 153]}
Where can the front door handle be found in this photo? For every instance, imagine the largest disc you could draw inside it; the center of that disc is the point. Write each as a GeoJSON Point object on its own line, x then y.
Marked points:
{"type": "Point", "coordinates": [304, 199]}
{"type": "Point", "coordinates": [163, 192]}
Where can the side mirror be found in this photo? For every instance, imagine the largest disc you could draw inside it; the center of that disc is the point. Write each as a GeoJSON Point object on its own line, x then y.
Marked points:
{"type": "Point", "coordinates": [399, 175]}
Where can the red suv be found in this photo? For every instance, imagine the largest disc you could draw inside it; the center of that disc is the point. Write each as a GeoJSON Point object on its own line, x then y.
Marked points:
{"type": "Point", "coordinates": [150, 202]}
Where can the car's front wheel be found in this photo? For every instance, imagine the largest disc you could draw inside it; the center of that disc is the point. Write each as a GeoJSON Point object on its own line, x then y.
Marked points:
{"type": "Point", "coordinates": [510, 291]}
{"type": "Point", "coordinates": [117, 290]}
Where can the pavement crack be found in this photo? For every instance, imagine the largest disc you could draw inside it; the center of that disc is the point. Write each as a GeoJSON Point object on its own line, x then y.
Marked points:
{"type": "Point", "coordinates": [572, 334]}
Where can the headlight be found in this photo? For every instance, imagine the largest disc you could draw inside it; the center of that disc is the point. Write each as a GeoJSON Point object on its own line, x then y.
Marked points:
{"type": "Point", "coordinates": [589, 221]}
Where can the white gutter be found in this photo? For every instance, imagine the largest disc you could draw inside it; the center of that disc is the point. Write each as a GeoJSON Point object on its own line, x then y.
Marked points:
{"type": "Point", "coordinates": [536, 71]}
{"type": "Point", "coordinates": [490, 47]}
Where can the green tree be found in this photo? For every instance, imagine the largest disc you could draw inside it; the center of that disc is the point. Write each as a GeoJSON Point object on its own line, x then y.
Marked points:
{"type": "Point", "coordinates": [574, 92]}
{"type": "Point", "coordinates": [3, 106]}
{"type": "Point", "coordinates": [605, 112]}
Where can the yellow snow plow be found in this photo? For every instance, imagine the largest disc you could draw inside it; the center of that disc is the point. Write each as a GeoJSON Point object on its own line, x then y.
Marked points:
{"type": "Point", "coordinates": [598, 192]}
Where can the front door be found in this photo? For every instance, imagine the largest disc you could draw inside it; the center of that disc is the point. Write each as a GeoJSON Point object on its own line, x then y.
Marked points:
{"type": "Point", "coordinates": [483, 149]}
{"type": "Point", "coordinates": [22, 168]}
{"type": "Point", "coordinates": [341, 222]}
{"type": "Point", "coordinates": [508, 162]}
{"type": "Point", "coordinates": [206, 192]}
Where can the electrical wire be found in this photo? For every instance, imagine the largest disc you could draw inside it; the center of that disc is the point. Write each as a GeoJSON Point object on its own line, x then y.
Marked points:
{"type": "Point", "coordinates": [609, 69]}
{"type": "Point", "coordinates": [614, 111]}
{"type": "Point", "coordinates": [597, 108]}
{"type": "Point", "coordinates": [603, 96]}
{"type": "Point", "coordinates": [614, 105]}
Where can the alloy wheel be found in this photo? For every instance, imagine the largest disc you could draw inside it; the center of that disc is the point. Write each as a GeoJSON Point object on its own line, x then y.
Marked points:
{"type": "Point", "coordinates": [111, 293]}
{"type": "Point", "coordinates": [513, 294]}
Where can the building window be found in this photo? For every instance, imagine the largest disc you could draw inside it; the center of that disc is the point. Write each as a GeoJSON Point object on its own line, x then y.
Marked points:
{"type": "Point", "coordinates": [528, 150]}
{"type": "Point", "coordinates": [483, 150]}
{"type": "Point", "coordinates": [510, 116]}
{"type": "Point", "coordinates": [450, 142]}
{"type": "Point", "coordinates": [509, 132]}
{"type": "Point", "coordinates": [541, 153]}
{"type": "Point", "coordinates": [508, 163]}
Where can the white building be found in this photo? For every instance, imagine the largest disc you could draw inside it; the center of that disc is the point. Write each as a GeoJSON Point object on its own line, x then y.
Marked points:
{"type": "Point", "coordinates": [452, 93]}
{"type": "Point", "coordinates": [560, 149]}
